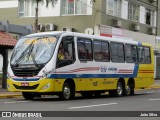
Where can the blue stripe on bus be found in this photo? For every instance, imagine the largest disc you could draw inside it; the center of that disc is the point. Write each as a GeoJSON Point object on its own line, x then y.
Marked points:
{"type": "Point", "coordinates": [139, 44]}
{"type": "Point", "coordinates": [91, 75]}
{"type": "Point", "coordinates": [135, 72]}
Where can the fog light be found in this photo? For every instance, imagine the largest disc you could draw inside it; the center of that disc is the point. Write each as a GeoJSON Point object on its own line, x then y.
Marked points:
{"type": "Point", "coordinates": [46, 86]}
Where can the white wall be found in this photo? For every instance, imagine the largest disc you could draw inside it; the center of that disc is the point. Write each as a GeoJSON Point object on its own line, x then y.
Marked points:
{"type": "Point", "coordinates": [50, 11]}
{"type": "Point", "coordinates": [142, 15]}
{"type": "Point", "coordinates": [89, 7]}
{"type": "Point", "coordinates": [141, 37]}
{"type": "Point", "coordinates": [8, 4]}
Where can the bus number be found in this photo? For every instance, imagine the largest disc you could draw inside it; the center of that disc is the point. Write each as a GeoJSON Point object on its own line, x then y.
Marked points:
{"type": "Point", "coordinates": [95, 83]}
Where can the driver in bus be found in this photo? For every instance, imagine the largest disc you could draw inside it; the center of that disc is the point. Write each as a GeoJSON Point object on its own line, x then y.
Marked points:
{"type": "Point", "coordinates": [63, 54]}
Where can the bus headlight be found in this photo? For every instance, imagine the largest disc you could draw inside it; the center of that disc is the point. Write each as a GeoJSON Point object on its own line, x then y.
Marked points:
{"type": "Point", "coordinates": [46, 86]}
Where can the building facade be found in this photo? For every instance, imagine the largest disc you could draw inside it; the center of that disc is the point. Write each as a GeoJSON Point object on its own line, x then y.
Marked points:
{"type": "Point", "coordinates": [131, 19]}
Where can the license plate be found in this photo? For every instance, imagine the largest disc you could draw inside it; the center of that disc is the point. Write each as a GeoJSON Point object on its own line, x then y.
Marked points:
{"type": "Point", "coordinates": [24, 84]}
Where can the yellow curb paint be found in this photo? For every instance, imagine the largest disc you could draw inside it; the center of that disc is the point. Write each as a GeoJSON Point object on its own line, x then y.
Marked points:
{"type": "Point", "coordinates": [9, 96]}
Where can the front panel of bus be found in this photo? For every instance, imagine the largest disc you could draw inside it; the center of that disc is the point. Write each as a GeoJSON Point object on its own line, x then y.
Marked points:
{"type": "Point", "coordinates": [32, 64]}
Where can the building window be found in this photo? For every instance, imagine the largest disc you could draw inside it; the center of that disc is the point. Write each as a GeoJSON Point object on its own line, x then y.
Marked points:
{"type": "Point", "coordinates": [133, 12]}
{"type": "Point", "coordinates": [114, 7]}
{"type": "Point", "coordinates": [149, 17]}
{"type": "Point", "coordinates": [26, 8]}
{"type": "Point", "coordinates": [71, 7]}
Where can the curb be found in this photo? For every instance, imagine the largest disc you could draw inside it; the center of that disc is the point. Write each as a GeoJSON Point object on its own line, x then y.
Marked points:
{"type": "Point", "coordinates": [10, 95]}
{"type": "Point", "coordinates": [153, 87]}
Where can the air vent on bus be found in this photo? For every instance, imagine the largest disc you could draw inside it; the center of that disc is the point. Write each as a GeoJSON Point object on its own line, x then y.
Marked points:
{"type": "Point", "coordinates": [26, 73]}
{"type": "Point", "coordinates": [26, 87]}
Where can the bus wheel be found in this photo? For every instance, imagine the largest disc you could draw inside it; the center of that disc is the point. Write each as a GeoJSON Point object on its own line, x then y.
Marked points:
{"type": "Point", "coordinates": [118, 92]}
{"type": "Point", "coordinates": [129, 89]}
{"type": "Point", "coordinates": [132, 89]}
{"type": "Point", "coordinates": [87, 94]}
{"type": "Point", "coordinates": [28, 96]}
{"type": "Point", "coordinates": [67, 92]}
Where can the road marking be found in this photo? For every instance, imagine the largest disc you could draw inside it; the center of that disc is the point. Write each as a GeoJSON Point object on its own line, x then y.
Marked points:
{"type": "Point", "coordinates": [21, 101]}
{"type": "Point", "coordinates": [92, 105]}
{"type": "Point", "coordinates": [15, 102]}
{"type": "Point", "coordinates": [10, 102]}
{"type": "Point", "coordinates": [150, 92]}
{"type": "Point", "coordinates": [154, 99]}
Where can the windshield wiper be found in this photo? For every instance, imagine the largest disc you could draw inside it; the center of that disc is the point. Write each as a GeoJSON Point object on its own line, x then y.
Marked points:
{"type": "Point", "coordinates": [32, 56]}
{"type": "Point", "coordinates": [23, 55]}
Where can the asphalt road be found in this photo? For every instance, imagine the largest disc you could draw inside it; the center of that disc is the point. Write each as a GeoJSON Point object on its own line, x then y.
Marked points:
{"type": "Point", "coordinates": [143, 100]}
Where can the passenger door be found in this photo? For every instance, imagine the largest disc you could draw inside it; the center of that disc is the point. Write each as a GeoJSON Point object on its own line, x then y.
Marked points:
{"type": "Point", "coordinates": [66, 54]}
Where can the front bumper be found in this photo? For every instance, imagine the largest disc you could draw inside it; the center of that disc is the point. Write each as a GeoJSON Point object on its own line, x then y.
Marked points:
{"type": "Point", "coordinates": [42, 85]}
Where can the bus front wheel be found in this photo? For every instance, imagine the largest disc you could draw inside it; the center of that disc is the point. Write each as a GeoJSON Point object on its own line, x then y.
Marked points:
{"type": "Point", "coordinates": [67, 92]}
{"type": "Point", "coordinates": [28, 96]}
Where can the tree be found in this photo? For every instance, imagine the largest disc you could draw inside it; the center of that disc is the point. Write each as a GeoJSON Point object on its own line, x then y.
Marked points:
{"type": "Point", "coordinates": [53, 2]}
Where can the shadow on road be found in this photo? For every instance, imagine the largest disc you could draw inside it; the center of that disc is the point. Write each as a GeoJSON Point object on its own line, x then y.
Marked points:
{"type": "Point", "coordinates": [56, 99]}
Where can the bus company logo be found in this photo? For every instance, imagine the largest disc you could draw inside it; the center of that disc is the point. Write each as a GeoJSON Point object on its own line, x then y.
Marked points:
{"type": "Point", "coordinates": [105, 69]}
{"type": "Point", "coordinates": [6, 114]}
{"type": "Point", "coordinates": [24, 78]}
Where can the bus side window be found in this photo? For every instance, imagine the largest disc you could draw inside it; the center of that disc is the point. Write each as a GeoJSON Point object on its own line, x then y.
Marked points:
{"type": "Point", "coordinates": [66, 52]}
{"type": "Point", "coordinates": [131, 53]}
{"type": "Point", "coordinates": [117, 52]}
{"type": "Point", "coordinates": [144, 55]}
{"type": "Point", "coordinates": [147, 55]}
{"type": "Point", "coordinates": [84, 46]}
{"type": "Point", "coordinates": [101, 51]}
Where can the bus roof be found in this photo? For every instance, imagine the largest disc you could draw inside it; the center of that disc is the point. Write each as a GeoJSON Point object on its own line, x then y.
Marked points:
{"type": "Point", "coordinates": [117, 39]}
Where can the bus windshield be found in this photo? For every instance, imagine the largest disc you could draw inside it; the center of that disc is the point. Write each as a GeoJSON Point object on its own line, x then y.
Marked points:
{"type": "Point", "coordinates": [33, 51]}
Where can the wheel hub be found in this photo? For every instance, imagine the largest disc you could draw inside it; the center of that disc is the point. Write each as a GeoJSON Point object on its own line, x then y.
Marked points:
{"type": "Point", "coordinates": [67, 92]}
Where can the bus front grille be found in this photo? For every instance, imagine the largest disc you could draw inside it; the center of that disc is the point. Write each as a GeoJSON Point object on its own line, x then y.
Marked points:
{"type": "Point", "coordinates": [26, 87]}
{"type": "Point", "coordinates": [25, 73]}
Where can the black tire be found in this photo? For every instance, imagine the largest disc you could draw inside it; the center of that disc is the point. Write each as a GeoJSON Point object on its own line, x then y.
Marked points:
{"type": "Point", "coordinates": [67, 92]}
{"type": "Point", "coordinates": [87, 94]}
{"type": "Point", "coordinates": [129, 89]}
{"type": "Point", "coordinates": [118, 92]}
{"type": "Point", "coordinates": [28, 96]}
{"type": "Point", "coordinates": [132, 89]}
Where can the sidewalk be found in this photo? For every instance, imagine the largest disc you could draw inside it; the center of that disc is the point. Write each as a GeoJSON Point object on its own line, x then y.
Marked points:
{"type": "Point", "coordinates": [6, 94]}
